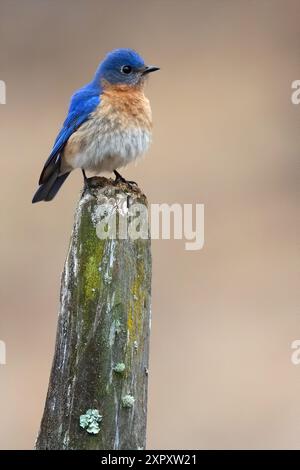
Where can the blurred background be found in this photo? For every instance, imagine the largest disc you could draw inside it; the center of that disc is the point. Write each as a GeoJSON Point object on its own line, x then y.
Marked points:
{"type": "Point", "coordinates": [226, 135]}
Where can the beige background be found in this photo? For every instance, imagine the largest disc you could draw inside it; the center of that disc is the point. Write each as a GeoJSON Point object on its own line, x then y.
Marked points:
{"type": "Point", "coordinates": [226, 135]}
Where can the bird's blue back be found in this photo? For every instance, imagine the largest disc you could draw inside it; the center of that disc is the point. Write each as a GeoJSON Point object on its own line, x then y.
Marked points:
{"type": "Point", "coordinates": [83, 103]}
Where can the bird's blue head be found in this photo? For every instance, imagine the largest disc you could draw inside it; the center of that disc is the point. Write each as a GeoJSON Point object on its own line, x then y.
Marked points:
{"type": "Point", "coordinates": [123, 66]}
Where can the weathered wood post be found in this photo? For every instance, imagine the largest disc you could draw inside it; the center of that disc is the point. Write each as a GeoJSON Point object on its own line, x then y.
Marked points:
{"type": "Point", "coordinates": [97, 396]}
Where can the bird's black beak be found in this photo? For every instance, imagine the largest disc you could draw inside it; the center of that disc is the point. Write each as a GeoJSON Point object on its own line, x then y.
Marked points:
{"type": "Point", "coordinates": [149, 69]}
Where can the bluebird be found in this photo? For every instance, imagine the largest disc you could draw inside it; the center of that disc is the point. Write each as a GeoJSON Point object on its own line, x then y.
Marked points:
{"type": "Point", "coordinates": [108, 124]}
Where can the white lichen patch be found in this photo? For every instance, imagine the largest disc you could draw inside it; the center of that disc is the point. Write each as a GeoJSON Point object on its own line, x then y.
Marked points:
{"type": "Point", "coordinates": [128, 401]}
{"type": "Point", "coordinates": [66, 440]}
{"type": "Point", "coordinates": [90, 421]}
{"type": "Point", "coordinates": [119, 367]}
{"type": "Point", "coordinates": [107, 278]}
{"type": "Point", "coordinates": [53, 403]}
{"type": "Point", "coordinates": [112, 258]}
{"type": "Point", "coordinates": [69, 396]}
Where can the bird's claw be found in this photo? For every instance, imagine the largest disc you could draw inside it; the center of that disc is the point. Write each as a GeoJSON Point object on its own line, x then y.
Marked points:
{"type": "Point", "coordinates": [86, 183]}
{"type": "Point", "coordinates": [120, 179]}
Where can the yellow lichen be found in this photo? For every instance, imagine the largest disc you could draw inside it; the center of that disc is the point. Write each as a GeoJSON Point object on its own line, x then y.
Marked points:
{"type": "Point", "coordinates": [91, 275]}
{"type": "Point", "coordinates": [130, 322]}
{"type": "Point", "coordinates": [135, 313]}
{"type": "Point", "coordinates": [92, 249]}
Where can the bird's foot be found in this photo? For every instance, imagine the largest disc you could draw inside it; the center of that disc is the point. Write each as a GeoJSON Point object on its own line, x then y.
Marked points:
{"type": "Point", "coordinates": [86, 182]}
{"type": "Point", "coordinates": [120, 179]}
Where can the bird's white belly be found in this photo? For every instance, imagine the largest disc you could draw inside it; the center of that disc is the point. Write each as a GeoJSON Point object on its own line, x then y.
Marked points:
{"type": "Point", "coordinates": [107, 151]}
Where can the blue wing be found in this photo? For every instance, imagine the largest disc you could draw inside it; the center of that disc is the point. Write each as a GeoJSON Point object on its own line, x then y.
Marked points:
{"type": "Point", "coordinates": [83, 103]}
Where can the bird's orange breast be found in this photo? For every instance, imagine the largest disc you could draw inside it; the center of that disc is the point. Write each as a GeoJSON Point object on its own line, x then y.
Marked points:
{"type": "Point", "coordinates": [117, 132]}
{"type": "Point", "coordinates": [126, 105]}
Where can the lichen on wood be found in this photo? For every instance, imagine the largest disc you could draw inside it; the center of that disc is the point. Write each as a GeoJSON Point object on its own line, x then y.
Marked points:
{"type": "Point", "coordinates": [104, 321]}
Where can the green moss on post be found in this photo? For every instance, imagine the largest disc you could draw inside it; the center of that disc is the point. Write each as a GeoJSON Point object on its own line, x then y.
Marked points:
{"type": "Point", "coordinates": [102, 344]}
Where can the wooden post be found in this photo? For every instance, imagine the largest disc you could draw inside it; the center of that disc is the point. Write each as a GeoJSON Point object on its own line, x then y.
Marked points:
{"type": "Point", "coordinates": [97, 395]}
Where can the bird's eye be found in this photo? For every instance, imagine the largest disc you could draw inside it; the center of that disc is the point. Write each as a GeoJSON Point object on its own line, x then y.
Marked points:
{"type": "Point", "coordinates": [126, 69]}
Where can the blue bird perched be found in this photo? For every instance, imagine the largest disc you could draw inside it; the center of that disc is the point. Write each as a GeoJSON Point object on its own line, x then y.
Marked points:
{"type": "Point", "coordinates": [108, 124]}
